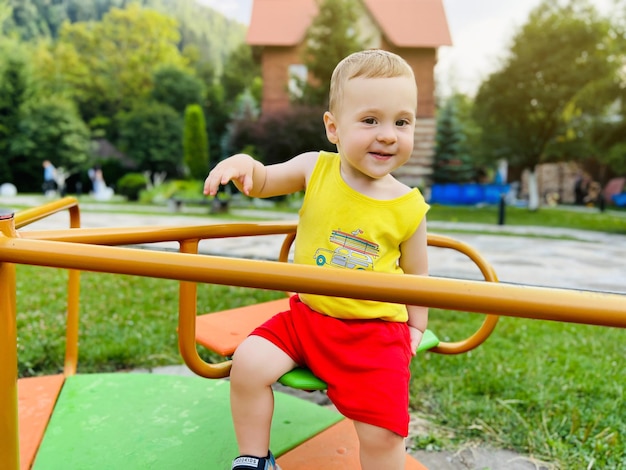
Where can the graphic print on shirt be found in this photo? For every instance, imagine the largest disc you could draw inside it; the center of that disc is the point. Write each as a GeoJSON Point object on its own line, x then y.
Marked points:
{"type": "Point", "coordinates": [354, 252]}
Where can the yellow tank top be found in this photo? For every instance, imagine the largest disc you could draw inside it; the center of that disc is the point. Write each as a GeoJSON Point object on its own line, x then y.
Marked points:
{"type": "Point", "coordinates": [340, 228]}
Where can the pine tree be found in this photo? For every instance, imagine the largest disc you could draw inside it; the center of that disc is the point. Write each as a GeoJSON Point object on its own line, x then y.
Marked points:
{"type": "Point", "coordinates": [195, 142]}
{"type": "Point", "coordinates": [452, 163]}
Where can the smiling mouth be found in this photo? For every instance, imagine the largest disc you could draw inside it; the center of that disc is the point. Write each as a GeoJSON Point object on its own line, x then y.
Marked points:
{"type": "Point", "coordinates": [381, 155]}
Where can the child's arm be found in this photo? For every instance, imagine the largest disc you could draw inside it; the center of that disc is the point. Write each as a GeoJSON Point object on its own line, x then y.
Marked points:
{"type": "Point", "coordinates": [256, 180]}
{"type": "Point", "coordinates": [414, 260]}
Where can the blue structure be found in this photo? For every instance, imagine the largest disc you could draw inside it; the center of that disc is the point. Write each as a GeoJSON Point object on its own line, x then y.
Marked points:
{"type": "Point", "coordinates": [467, 193]}
{"type": "Point", "coordinates": [620, 200]}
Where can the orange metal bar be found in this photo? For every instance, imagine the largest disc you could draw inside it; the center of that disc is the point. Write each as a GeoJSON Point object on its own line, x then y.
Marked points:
{"type": "Point", "coordinates": [286, 246]}
{"type": "Point", "coordinates": [155, 234]}
{"type": "Point", "coordinates": [34, 214]}
{"type": "Point", "coordinates": [591, 308]}
{"type": "Point", "coordinates": [187, 310]}
{"type": "Point", "coordinates": [490, 321]}
{"type": "Point", "coordinates": [72, 322]}
{"type": "Point", "coordinates": [9, 432]}
{"type": "Point", "coordinates": [28, 216]}
{"type": "Point", "coordinates": [73, 310]}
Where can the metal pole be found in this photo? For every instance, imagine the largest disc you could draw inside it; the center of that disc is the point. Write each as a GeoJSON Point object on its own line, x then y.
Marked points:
{"type": "Point", "coordinates": [9, 435]}
{"type": "Point", "coordinates": [501, 209]}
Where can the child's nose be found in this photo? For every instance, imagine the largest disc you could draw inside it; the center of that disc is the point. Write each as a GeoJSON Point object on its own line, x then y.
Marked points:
{"type": "Point", "coordinates": [386, 134]}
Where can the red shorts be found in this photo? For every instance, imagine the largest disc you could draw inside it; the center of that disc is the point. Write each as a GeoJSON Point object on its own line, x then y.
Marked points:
{"type": "Point", "coordinates": [364, 362]}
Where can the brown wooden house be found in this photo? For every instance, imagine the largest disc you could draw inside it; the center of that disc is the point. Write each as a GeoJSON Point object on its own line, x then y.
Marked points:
{"type": "Point", "coordinates": [413, 29]}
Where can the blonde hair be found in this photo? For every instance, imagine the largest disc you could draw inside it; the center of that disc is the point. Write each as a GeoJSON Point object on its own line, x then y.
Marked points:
{"type": "Point", "coordinates": [371, 63]}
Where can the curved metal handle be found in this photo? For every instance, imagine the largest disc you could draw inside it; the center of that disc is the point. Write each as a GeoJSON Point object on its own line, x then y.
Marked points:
{"type": "Point", "coordinates": [488, 325]}
{"type": "Point", "coordinates": [442, 241]}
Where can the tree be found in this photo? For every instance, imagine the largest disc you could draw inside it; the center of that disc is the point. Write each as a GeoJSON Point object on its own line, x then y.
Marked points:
{"type": "Point", "coordinates": [5, 14]}
{"type": "Point", "coordinates": [333, 35]}
{"type": "Point", "coordinates": [240, 131]}
{"type": "Point", "coordinates": [472, 132]}
{"type": "Point", "coordinates": [177, 88]}
{"type": "Point", "coordinates": [595, 135]}
{"type": "Point", "coordinates": [110, 65]}
{"type": "Point", "coordinates": [600, 132]}
{"type": "Point", "coordinates": [217, 118]}
{"type": "Point", "coordinates": [49, 129]}
{"type": "Point", "coordinates": [150, 135]}
{"type": "Point", "coordinates": [15, 91]}
{"type": "Point", "coordinates": [214, 35]}
{"type": "Point", "coordinates": [279, 136]}
{"type": "Point", "coordinates": [555, 56]}
{"type": "Point", "coordinates": [452, 163]}
{"type": "Point", "coordinates": [240, 71]}
{"type": "Point", "coordinates": [195, 142]}
{"type": "Point", "coordinates": [25, 20]}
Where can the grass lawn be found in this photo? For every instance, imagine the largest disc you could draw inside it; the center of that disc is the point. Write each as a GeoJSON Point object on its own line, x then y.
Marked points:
{"type": "Point", "coordinates": [552, 390]}
{"type": "Point", "coordinates": [569, 217]}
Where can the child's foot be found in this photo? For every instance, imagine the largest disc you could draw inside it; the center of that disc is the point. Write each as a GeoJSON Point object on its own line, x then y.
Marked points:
{"type": "Point", "coordinates": [248, 462]}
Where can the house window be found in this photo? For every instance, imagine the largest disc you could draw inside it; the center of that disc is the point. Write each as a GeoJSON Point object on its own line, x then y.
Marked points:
{"type": "Point", "coordinates": [297, 78]}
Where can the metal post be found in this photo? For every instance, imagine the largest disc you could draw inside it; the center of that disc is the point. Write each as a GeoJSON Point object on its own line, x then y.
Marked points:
{"type": "Point", "coordinates": [501, 209]}
{"type": "Point", "coordinates": [9, 440]}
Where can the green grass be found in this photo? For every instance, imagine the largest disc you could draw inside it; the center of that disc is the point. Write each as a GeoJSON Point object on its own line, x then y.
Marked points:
{"type": "Point", "coordinates": [125, 321]}
{"type": "Point", "coordinates": [567, 217]}
{"type": "Point", "coordinates": [551, 390]}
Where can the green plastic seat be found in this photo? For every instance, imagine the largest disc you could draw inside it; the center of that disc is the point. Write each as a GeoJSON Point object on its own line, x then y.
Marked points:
{"type": "Point", "coordinates": [303, 379]}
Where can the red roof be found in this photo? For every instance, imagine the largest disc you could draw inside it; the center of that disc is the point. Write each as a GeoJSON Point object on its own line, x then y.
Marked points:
{"type": "Point", "coordinates": [405, 23]}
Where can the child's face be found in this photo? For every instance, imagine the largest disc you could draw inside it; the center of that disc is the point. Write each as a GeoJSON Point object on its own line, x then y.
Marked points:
{"type": "Point", "coordinates": [374, 126]}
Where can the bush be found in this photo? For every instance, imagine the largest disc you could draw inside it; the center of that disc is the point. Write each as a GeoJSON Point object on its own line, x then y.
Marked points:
{"type": "Point", "coordinates": [187, 189]}
{"type": "Point", "coordinates": [183, 189]}
{"type": "Point", "coordinates": [131, 184]}
{"type": "Point", "coordinates": [280, 136]}
{"type": "Point", "coordinates": [150, 136]}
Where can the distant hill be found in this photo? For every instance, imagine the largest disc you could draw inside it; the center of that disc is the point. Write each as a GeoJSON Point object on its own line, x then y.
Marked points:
{"type": "Point", "coordinates": [214, 35]}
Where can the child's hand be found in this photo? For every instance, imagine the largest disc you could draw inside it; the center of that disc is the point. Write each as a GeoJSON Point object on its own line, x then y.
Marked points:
{"type": "Point", "coordinates": [416, 338]}
{"type": "Point", "coordinates": [239, 169]}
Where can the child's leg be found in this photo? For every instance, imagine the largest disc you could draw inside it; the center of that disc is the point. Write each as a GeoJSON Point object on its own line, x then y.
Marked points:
{"type": "Point", "coordinates": [257, 364]}
{"type": "Point", "coordinates": [380, 448]}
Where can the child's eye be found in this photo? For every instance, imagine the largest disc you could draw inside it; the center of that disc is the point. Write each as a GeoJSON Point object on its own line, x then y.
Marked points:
{"type": "Point", "coordinates": [402, 122]}
{"type": "Point", "coordinates": [369, 121]}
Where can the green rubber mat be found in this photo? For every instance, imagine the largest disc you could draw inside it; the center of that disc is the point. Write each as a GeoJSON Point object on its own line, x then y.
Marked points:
{"type": "Point", "coordinates": [149, 421]}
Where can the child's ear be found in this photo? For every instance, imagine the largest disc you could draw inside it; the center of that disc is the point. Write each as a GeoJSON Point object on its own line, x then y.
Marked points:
{"type": "Point", "coordinates": [331, 128]}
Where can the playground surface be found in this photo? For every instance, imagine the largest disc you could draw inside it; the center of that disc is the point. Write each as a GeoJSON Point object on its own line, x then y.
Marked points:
{"type": "Point", "coordinates": [585, 260]}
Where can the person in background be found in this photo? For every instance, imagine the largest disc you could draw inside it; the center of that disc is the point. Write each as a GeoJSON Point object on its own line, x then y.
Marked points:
{"type": "Point", "coordinates": [49, 178]}
{"type": "Point", "coordinates": [100, 190]}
